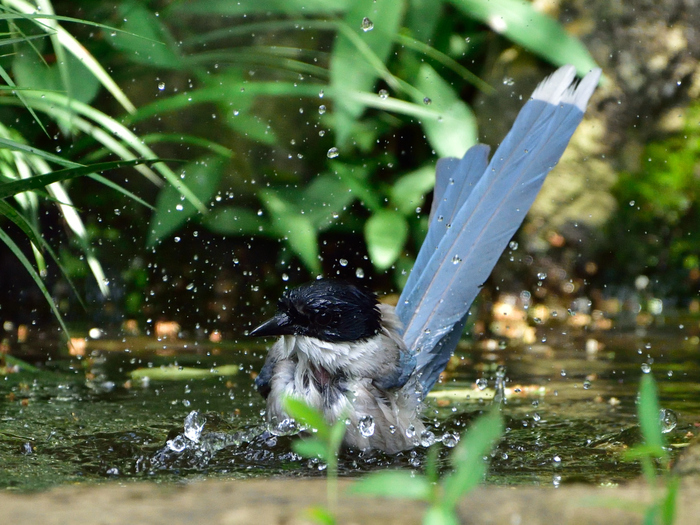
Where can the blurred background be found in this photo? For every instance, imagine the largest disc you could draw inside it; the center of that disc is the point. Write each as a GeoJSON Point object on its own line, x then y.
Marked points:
{"type": "Point", "coordinates": [299, 138]}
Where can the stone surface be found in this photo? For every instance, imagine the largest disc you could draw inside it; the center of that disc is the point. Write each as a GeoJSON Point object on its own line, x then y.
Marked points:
{"type": "Point", "coordinates": [287, 501]}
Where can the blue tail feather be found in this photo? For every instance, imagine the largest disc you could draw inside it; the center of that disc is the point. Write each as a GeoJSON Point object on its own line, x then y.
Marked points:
{"type": "Point", "coordinates": [485, 206]}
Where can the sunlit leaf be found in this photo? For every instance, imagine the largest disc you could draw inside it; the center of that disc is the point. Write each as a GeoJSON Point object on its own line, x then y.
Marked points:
{"type": "Point", "coordinates": [394, 484]}
{"type": "Point", "coordinates": [409, 191]}
{"type": "Point", "coordinates": [440, 516]}
{"type": "Point", "coordinates": [468, 456]}
{"type": "Point", "coordinates": [172, 210]}
{"type": "Point", "coordinates": [39, 181]}
{"type": "Point", "coordinates": [456, 130]}
{"type": "Point", "coordinates": [183, 373]}
{"type": "Point", "coordinates": [385, 233]}
{"type": "Point", "coordinates": [520, 22]}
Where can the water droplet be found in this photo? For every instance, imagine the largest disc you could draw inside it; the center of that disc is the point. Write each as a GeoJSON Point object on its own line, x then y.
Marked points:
{"type": "Point", "coordinates": [427, 101]}
{"type": "Point", "coordinates": [321, 133]}
{"type": "Point", "coordinates": [508, 81]}
{"type": "Point", "coordinates": [427, 438]}
{"type": "Point", "coordinates": [367, 24]}
{"type": "Point", "coordinates": [456, 259]}
{"type": "Point", "coordinates": [320, 94]}
{"type": "Point", "coordinates": [343, 262]}
{"type": "Point", "coordinates": [536, 417]}
{"type": "Point", "coordinates": [360, 273]}
{"type": "Point", "coordinates": [332, 153]}
{"type": "Point", "coordinates": [586, 384]}
{"type": "Point", "coordinates": [383, 94]}
{"type": "Point", "coordinates": [236, 112]}
{"type": "Point", "coordinates": [179, 207]}
{"type": "Point", "coordinates": [541, 276]}
{"type": "Point", "coordinates": [668, 419]}
{"type": "Point", "coordinates": [513, 245]}
{"type": "Point", "coordinates": [161, 86]}
{"type": "Point", "coordinates": [556, 460]}
{"type": "Point", "coordinates": [321, 109]}
{"type": "Point", "coordinates": [450, 440]}
{"type": "Point", "coordinates": [411, 431]}
{"type": "Point", "coordinates": [482, 383]}
{"type": "Point", "coordinates": [194, 423]}
{"type": "Point", "coordinates": [646, 368]}
{"type": "Point", "coordinates": [366, 426]}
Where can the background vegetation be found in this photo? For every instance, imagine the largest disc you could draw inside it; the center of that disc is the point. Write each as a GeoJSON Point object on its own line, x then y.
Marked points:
{"type": "Point", "coordinates": [302, 137]}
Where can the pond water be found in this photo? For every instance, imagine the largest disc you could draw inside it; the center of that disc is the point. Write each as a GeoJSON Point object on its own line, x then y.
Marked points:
{"type": "Point", "coordinates": [570, 412]}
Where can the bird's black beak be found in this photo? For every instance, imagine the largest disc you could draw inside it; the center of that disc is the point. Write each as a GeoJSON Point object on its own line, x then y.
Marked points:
{"type": "Point", "coordinates": [280, 324]}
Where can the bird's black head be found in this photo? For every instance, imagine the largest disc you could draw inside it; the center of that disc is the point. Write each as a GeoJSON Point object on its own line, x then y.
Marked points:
{"type": "Point", "coordinates": [329, 310]}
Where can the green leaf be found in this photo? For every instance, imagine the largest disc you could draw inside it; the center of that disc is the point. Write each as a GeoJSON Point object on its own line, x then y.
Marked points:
{"type": "Point", "coordinates": [296, 229]}
{"type": "Point", "coordinates": [172, 211]}
{"type": "Point", "coordinates": [355, 179]}
{"type": "Point", "coordinates": [409, 191]}
{"type": "Point", "coordinates": [22, 365]}
{"type": "Point", "coordinates": [321, 515]}
{"type": "Point", "coordinates": [149, 41]}
{"type": "Point", "coordinates": [308, 416]}
{"type": "Point", "coordinates": [385, 234]}
{"type": "Point", "coordinates": [399, 484]}
{"type": "Point", "coordinates": [39, 181]}
{"type": "Point", "coordinates": [31, 72]}
{"type": "Point", "coordinates": [324, 199]}
{"type": "Point", "coordinates": [648, 413]}
{"type": "Point", "coordinates": [468, 457]}
{"type": "Point", "coordinates": [235, 220]}
{"type": "Point", "coordinates": [520, 22]}
{"type": "Point", "coordinates": [440, 516]}
{"type": "Point", "coordinates": [183, 373]}
{"type": "Point", "coordinates": [310, 448]}
{"type": "Point", "coordinates": [456, 130]}
{"type": "Point", "coordinates": [261, 7]}
{"type": "Point", "coordinates": [353, 70]}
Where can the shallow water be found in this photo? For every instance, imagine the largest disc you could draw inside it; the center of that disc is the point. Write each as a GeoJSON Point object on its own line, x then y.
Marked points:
{"type": "Point", "coordinates": [570, 413]}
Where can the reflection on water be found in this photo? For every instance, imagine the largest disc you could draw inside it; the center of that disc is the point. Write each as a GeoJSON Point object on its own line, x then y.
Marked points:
{"type": "Point", "coordinates": [570, 413]}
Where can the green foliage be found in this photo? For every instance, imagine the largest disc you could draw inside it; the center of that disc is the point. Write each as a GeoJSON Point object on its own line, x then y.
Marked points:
{"type": "Point", "coordinates": [325, 445]}
{"type": "Point", "coordinates": [659, 209]}
{"type": "Point", "coordinates": [469, 469]}
{"type": "Point", "coordinates": [662, 509]}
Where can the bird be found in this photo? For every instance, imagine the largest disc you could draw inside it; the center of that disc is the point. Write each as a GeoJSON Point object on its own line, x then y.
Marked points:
{"type": "Point", "coordinates": [346, 354]}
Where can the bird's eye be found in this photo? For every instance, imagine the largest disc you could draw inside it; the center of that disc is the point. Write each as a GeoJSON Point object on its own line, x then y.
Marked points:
{"type": "Point", "coordinates": [324, 318]}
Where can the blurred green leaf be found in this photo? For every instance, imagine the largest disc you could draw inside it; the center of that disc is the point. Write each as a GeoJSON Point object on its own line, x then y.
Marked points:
{"type": "Point", "coordinates": [235, 220]}
{"type": "Point", "coordinates": [648, 412]}
{"type": "Point", "coordinates": [394, 484]}
{"type": "Point", "coordinates": [307, 416]}
{"type": "Point", "coordinates": [385, 233]}
{"type": "Point", "coordinates": [409, 191]}
{"type": "Point", "coordinates": [145, 40]}
{"type": "Point", "coordinates": [296, 229]}
{"type": "Point", "coordinates": [355, 179]}
{"type": "Point", "coordinates": [310, 448]}
{"type": "Point", "coordinates": [352, 70]}
{"type": "Point", "coordinates": [31, 71]}
{"type": "Point", "coordinates": [468, 457]}
{"type": "Point", "coordinates": [520, 22]}
{"type": "Point", "coordinates": [321, 515]}
{"type": "Point", "coordinates": [456, 130]}
{"type": "Point", "coordinates": [183, 373]}
{"type": "Point", "coordinates": [172, 210]}
{"type": "Point", "coordinates": [262, 7]}
{"type": "Point", "coordinates": [440, 516]}
{"type": "Point", "coordinates": [324, 199]}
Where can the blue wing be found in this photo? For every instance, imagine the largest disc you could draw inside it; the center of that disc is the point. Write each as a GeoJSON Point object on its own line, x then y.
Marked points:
{"type": "Point", "coordinates": [487, 206]}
